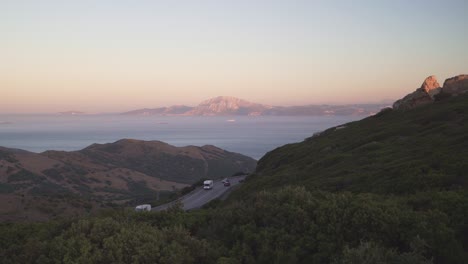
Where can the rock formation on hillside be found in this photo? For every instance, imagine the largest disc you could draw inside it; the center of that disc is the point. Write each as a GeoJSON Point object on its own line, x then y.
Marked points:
{"type": "Point", "coordinates": [431, 86]}
{"type": "Point", "coordinates": [431, 91]}
{"type": "Point", "coordinates": [423, 95]}
{"type": "Point", "coordinates": [456, 85]}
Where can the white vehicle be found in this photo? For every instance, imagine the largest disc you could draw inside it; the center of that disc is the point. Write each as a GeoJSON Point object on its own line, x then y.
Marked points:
{"type": "Point", "coordinates": [208, 184]}
{"type": "Point", "coordinates": [143, 207]}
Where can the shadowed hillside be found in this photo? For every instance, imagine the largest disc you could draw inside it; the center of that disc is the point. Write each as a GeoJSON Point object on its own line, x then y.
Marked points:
{"type": "Point", "coordinates": [159, 159]}
{"type": "Point", "coordinates": [58, 183]}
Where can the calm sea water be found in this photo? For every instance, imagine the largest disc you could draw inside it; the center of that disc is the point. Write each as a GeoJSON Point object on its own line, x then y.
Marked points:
{"type": "Point", "coordinates": [251, 136]}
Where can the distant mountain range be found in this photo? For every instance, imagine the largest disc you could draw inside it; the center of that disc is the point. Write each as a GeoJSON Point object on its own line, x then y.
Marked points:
{"type": "Point", "coordinates": [228, 105]}
{"type": "Point", "coordinates": [72, 113]}
{"type": "Point", "coordinates": [38, 186]}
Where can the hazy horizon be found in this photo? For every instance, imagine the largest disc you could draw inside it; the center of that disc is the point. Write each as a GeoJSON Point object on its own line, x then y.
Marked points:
{"type": "Point", "coordinates": [116, 56]}
{"type": "Point", "coordinates": [120, 111]}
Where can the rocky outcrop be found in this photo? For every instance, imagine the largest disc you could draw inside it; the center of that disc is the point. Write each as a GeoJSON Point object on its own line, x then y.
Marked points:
{"type": "Point", "coordinates": [431, 86]}
{"type": "Point", "coordinates": [456, 85]}
{"type": "Point", "coordinates": [412, 100]}
{"type": "Point", "coordinates": [431, 91]}
{"type": "Point", "coordinates": [423, 95]}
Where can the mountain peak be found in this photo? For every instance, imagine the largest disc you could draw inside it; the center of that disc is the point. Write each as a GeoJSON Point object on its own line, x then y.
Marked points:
{"type": "Point", "coordinates": [226, 100]}
{"type": "Point", "coordinates": [230, 105]}
{"type": "Point", "coordinates": [227, 105]}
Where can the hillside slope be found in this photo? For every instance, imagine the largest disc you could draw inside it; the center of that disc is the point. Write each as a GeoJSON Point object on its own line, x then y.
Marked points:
{"type": "Point", "coordinates": [391, 188]}
{"type": "Point", "coordinates": [391, 152]}
{"type": "Point", "coordinates": [158, 159]}
{"type": "Point", "coordinates": [58, 183]}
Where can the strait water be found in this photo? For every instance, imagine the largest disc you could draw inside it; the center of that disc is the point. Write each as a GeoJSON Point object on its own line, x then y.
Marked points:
{"type": "Point", "coordinates": [251, 136]}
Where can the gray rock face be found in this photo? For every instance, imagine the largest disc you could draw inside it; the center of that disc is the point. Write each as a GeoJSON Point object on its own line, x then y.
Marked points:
{"type": "Point", "coordinates": [412, 100]}
{"type": "Point", "coordinates": [424, 95]}
{"type": "Point", "coordinates": [456, 85]}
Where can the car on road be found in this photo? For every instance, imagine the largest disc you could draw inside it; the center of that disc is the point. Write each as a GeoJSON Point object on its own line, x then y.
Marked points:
{"type": "Point", "coordinates": [226, 182]}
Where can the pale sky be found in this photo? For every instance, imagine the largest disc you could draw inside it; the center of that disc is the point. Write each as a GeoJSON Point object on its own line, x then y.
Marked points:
{"type": "Point", "coordinates": [116, 55]}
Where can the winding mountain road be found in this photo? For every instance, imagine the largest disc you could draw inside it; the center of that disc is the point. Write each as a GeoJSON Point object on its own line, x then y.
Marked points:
{"type": "Point", "coordinates": [199, 197]}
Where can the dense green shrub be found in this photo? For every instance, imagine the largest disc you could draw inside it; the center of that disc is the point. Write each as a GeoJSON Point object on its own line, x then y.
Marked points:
{"type": "Point", "coordinates": [290, 225]}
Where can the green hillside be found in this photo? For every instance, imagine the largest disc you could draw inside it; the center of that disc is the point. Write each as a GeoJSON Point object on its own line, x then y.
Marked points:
{"type": "Point", "coordinates": [42, 186]}
{"type": "Point", "coordinates": [367, 191]}
{"type": "Point", "coordinates": [393, 152]}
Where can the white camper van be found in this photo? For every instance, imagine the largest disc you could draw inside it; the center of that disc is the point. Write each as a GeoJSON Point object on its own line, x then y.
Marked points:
{"type": "Point", "coordinates": [143, 207]}
{"type": "Point", "coordinates": [208, 184]}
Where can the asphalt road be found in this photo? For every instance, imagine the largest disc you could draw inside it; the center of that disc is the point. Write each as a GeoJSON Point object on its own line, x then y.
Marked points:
{"type": "Point", "coordinates": [199, 197]}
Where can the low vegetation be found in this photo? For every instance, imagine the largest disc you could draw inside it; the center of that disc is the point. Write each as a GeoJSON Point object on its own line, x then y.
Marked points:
{"type": "Point", "coordinates": [290, 225]}
{"type": "Point", "coordinates": [396, 153]}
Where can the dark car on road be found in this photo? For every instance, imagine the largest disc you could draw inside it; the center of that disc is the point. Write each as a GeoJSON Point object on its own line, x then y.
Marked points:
{"type": "Point", "coordinates": [226, 182]}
